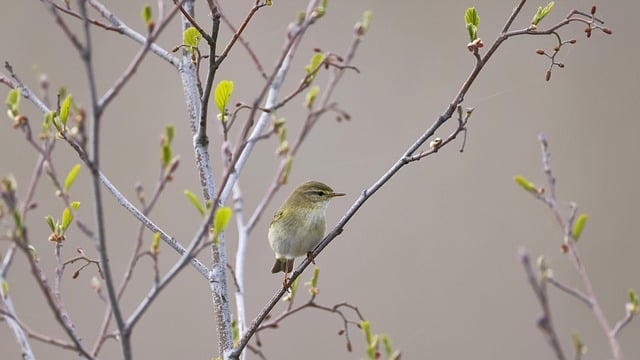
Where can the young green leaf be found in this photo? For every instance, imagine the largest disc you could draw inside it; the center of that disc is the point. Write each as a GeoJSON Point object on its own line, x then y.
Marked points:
{"type": "Point", "coordinates": [169, 132]}
{"type": "Point", "coordinates": [71, 177]}
{"type": "Point", "coordinates": [366, 328]}
{"type": "Point", "coordinates": [386, 342]}
{"type": "Point", "coordinates": [5, 289]}
{"type": "Point", "coordinates": [366, 20]}
{"type": "Point", "coordinates": [146, 14]}
{"type": "Point", "coordinates": [541, 13]}
{"type": "Point", "coordinates": [472, 20]}
{"type": "Point", "coordinates": [166, 155]}
{"type": "Point", "coordinates": [64, 110]}
{"type": "Point", "coordinates": [220, 221]}
{"type": "Point", "coordinates": [155, 244]}
{"type": "Point", "coordinates": [13, 101]}
{"type": "Point", "coordinates": [579, 226]}
{"type": "Point", "coordinates": [578, 345]}
{"type": "Point", "coordinates": [311, 97]}
{"type": "Point", "coordinates": [526, 184]}
{"type": "Point", "coordinates": [287, 169]}
{"type": "Point", "coordinates": [313, 67]}
{"type": "Point", "coordinates": [67, 217]}
{"type": "Point", "coordinates": [49, 221]}
{"type": "Point", "coordinates": [75, 205]}
{"type": "Point", "coordinates": [191, 37]}
{"type": "Point", "coordinates": [194, 200]}
{"type": "Point", "coordinates": [222, 93]}
{"type": "Point", "coordinates": [633, 301]}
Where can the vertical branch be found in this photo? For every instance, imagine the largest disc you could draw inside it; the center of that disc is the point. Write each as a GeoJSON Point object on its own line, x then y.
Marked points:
{"type": "Point", "coordinates": [243, 238]}
{"type": "Point", "coordinates": [100, 235]}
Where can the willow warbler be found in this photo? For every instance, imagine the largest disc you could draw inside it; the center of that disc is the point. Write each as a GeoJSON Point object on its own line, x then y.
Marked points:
{"type": "Point", "coordinates": [299, 224]}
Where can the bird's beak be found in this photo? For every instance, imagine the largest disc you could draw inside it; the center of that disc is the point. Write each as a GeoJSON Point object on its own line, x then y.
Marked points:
{"type": "Point", "coordinates": [337, 194]}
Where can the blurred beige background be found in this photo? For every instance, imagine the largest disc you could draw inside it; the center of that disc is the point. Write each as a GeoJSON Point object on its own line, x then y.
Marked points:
{"type": "Point", "coordinates": [431, 259]}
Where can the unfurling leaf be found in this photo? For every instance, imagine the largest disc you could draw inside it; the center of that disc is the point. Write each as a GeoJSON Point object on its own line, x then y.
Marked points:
{"type": "Point", "coordinates": [75, 205]}
{"type": "Point", "coordinates": [579, 226]}
{"type": "Point", "coordinates": [191, 37]}
{"type": "Point", "coordinates": [220, 221]}
{"type": "Point", "coordinates": [13, 101]}
{"type": "Point", "coordinates": [578, 345]}
{"type": "Point", "coordinates": [194, 200]}
{"type": "Point", "coordinates": [71, 177]}
{"type": "Point", "coordinates": [169, 132]}
{"type": "Point", "coordinates": [49, 221]}
{"type": "Point", "coordinates": [472, 20]}
{"type": "Point", "coordinates": [155, 244]}
{"type": "Point", "coordinates": [526, 184]}
{"type": "Point", "coordinates": [146, 14]}
{"type": "Point", "coordinates": [64, 110]}
{"type": "Point", "coordinates": [313, 67]}
{"type": "Point", "coordinates": [541, 13]}
{"type": "Point", "coordinates": [67, 217]}
{"type": "Point", "coordinates": [366, 21]}
{"type": "Point", "coordinates": [633, 302]}
{"type": "Point", "coordinates": [166, 155]}
{"type": "Point", "coordinates": [5, 289]}
{"type": "Point", "coordinates": [222, 93]}
{"type": "Point", "coordinates": [311, 97]}
{"type": "Point", "coordinates": [366, 328]}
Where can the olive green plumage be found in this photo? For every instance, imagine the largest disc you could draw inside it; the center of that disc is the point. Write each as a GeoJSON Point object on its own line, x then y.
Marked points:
{"type": "Point", "coordinates": [299, 225]}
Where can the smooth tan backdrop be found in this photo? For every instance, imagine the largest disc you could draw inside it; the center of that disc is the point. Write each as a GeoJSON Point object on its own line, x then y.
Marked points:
{"type": "Point", "coordinates": [431, 259]}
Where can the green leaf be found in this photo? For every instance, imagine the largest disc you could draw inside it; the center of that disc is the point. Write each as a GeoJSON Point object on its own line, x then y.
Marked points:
{"type": "Point", "coordinates": [222, 93]}
{"type": "Point", "coordinates": [71, 177]}
{"type": "Point", "coordinates": [471, 16]}
{"type": "Point", "coordinates": [194, 200]}
{"type": "Point", "coordinates": [578, 345]}
{"type": "Point", "coordinates": [541, 13]}
{"type": "Point", "coordinates": [146, 14]}
{"type": "Point", "coordinates": [64, 110]}
{"type": "Point", "coordinates": [579, 226]}
{"type": "Point", "coordinates": [235, 332]}
{"type": "Point", "coordinates": [526, 184]}
{"type": "Point", "coordinates": [155, 244]}
{"type": "Point", "coordinates": [220, 221]}
{"type": "Point", "coordinates": [17, 219]}
{"type": "Point", "coordinates": [386, 342]}
{"type": "Point", "coordinates": [314, 278]}
{"type": "Point", "coordinates": [191, 37]}
{"type": "Point", "coordinates": [366, 20]}
{"type": "Point", "coordinates": [313, 67]}
{"type": "Point", "coordinates": [166, 155]}
{"type": "Point", "coordinates": [287, 169]}
{"type": "Point", "coordinates": [13, 101]}
{"type": "Point", "coordinates": [5, 289]}
{"type": "Point", "coordinates": [633, 300]}
{"type": "Point", "coordinates": [169, 133]}
{"type": "Point", "coordinates": [49, 220]}
{"type": "Point", "coordinates": [67, 217]}
{"type": "Point", "coordinates": [366, 328]}
{"type": "Point", "coordinates": [311, 97]}
{"type": "Point", "coordinates": [472, 20]}
{"type": "Point", "coordinates": [75, 205]}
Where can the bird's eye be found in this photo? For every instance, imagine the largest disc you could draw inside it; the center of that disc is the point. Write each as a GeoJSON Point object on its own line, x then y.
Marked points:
{"type": "Point", "coordinates": [319, 193]}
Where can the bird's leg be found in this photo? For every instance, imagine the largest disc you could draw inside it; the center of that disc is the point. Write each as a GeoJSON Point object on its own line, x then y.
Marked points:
{"type": "Point", "coordinates": [311, 258]}
{"type": "Point", "coordinates": [285, 283]}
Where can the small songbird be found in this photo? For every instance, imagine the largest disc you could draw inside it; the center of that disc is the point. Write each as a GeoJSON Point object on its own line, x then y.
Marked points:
{"type": "Point", "coordinates": [299, 224]}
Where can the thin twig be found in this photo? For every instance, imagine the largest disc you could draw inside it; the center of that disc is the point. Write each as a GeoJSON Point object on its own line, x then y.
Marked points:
{"type": "Point", "coordinates": [544, 321]}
